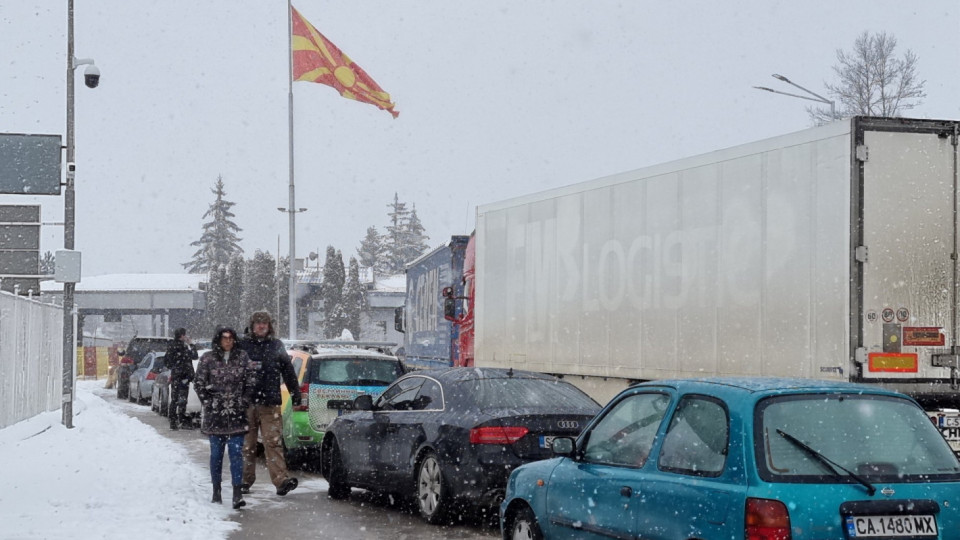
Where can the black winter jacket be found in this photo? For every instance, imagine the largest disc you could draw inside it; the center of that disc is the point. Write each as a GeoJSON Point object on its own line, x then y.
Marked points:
{"type": "Point", "coordinates": [225, 387]}
{"type": "Point", "coordinates": [179, 359]}
{"type": "Point", "coordinates": [273, 366]}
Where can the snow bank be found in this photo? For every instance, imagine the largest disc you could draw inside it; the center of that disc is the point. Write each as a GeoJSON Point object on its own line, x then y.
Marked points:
{"type": "Point", "coordinates": [111, 476]}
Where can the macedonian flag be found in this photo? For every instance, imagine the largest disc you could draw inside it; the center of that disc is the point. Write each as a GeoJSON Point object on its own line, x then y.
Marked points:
{"type": "Point", "coordinates": [316, 59]}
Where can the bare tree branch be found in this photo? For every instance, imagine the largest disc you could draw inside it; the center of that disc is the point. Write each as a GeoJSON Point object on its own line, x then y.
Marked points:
{"type": "Point", "coordinates": [872, 81]}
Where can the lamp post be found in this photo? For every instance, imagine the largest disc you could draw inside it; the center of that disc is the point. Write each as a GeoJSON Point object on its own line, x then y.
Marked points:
{"type": "Point", "coordinates": [92, 79]}
{"type": "Point", "coordinates": [816, 97]}
{"type": "Point", "coordinates": [292, 286]}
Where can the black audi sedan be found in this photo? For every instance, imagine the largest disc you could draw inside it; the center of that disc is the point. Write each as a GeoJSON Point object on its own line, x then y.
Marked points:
{"type": "Point", "coordinates": [450, 437]}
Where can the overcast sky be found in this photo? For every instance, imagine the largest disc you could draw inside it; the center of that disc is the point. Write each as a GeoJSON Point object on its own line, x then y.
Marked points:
{"type": "Point", "coordinates": [497, 99]}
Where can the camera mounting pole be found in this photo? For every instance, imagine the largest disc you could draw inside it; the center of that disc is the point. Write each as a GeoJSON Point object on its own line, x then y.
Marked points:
{"type": "Point", "coordinates": [69, 220]}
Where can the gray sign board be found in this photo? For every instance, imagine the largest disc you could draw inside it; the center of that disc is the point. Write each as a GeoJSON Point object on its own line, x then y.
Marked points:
{"type": "Point", "coordinates": [19, 248]}
{"type": "Point", "coordinates": [25, 236]}
{"type": "Point", "coordinates": [25, 285]}
{"type": "Point", "coordinates": [20, 213]}
{"type": "Point", "coordinates": [30, 164]}
{"type": "Point", "coordinates": [20, 262]}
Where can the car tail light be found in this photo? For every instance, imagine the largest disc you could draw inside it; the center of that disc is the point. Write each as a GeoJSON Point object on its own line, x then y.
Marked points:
{"type": "Point", "coordinates": [497, 435]}
{"type": "Point", "coordinates": [767, 519]}
{"type": "Point", "coordinates": [151, 375]}
{"type": "Point", "coordinates": [126, 360]}
{"type": "Point", "coordinates": [304, 398]}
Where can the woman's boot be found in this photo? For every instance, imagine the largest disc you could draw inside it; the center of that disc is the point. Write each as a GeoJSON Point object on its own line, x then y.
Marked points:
{"type": "Point", "coordinates": [216, 494]}
{"type": "Point", "coordinates": [238, 498]}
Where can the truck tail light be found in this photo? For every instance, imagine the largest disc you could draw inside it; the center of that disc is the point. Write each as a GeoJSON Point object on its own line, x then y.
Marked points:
{"type": "Point", "coordinates": [767, 519]}
{"type": "Point", "coordinates": [126, 360]}
{"type": "Point", "coordinates": [304, 398]}
{"type": "Point", "coordinates": [497, 435]}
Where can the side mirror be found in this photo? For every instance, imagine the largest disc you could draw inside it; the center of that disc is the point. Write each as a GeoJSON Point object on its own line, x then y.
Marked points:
{"type": "Point", "coordinates": [450, 308]}
{"type": "Point", "coordinates": [564, 446]}
{"type": "Point", "coordinates": [363, 403]}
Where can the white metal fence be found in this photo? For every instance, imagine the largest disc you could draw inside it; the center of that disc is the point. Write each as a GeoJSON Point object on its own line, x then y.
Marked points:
{"type": "Point", "coordinates": [31, 358]}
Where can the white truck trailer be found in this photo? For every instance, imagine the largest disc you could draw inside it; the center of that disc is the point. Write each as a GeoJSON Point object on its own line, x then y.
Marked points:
{"type": "Point", "coordinates": [830, 253]}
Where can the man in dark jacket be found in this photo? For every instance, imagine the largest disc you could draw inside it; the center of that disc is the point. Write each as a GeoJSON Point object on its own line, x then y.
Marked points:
{"type": "Point", "coordinates": [179, 359]}
{"type": "Point", "coordinates": [273, 366]}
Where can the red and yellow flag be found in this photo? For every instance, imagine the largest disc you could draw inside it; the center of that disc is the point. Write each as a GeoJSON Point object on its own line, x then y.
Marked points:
{"type": "Point", "coordinates": [316, 59]}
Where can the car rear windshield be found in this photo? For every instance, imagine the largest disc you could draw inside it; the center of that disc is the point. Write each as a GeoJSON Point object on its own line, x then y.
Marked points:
{"type": "Point", "coordinates": [524, 393]}
{"type": "Point", "coordinates": [354, 371]}
{"type": "Point", "coordinates": [880, 438]}
{"type": "Point", "coordinates": [140, 347]}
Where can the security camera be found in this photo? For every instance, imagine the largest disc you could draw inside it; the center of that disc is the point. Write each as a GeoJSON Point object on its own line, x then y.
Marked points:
{"type": "Point", "coordinates": [91, 76]}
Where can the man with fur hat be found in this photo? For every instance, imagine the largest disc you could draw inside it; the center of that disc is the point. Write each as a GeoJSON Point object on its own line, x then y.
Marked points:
{"type": "Point", "coordinates": [273, 366]}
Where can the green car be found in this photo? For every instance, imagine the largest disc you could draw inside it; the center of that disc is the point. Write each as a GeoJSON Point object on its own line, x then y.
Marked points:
{"type": "Point", "coordinates": [329, 373]}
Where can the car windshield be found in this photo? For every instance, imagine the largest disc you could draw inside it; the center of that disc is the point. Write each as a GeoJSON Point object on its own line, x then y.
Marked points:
{"type": "Point", "coordinates": [879, 438]}
{"type": "Point", "coordinates": [354, 371]}
{"type": "Point", "coordinates": [525, 393]}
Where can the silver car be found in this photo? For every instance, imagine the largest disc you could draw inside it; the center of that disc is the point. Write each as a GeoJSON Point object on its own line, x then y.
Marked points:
{"type": "Point", "coordinates": [160, 394]}
{"type": "Point", "coordinates": [142, 378]}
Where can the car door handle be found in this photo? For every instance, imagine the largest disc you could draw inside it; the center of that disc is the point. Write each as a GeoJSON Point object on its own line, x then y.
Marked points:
{"type": "Point", "coordinates": [626, 491]}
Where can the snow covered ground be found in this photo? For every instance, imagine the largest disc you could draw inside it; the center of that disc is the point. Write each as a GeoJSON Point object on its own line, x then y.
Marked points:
{"type": "Point", "coordinates": [111, 476]}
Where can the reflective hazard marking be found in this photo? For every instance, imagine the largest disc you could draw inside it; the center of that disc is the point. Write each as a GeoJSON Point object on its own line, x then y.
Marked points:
{"type": "Point", "coordinates": [892, 362]}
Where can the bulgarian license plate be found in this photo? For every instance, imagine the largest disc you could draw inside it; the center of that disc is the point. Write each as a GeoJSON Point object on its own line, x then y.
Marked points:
{"type": "Point", "coordinates": [546, 441]}
{"type": "Point", "coordinates": [891, 526]}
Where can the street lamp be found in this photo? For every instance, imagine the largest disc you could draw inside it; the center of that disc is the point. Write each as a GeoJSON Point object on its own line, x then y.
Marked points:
{"type": "Point", "coordinates": [292, 285]}
{"type": "Point", "coordinates": [91, 77]}
{"type": "Point", "coordinates": [817, 97]}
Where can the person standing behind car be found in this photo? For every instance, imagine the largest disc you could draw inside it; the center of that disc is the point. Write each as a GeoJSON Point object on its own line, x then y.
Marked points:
{"type": "Point", "coordinates": [179, 359]}
{"type": "Point", "coordinates": [226, 380]}
{"type": "Point", "coordinates": [272, 364]}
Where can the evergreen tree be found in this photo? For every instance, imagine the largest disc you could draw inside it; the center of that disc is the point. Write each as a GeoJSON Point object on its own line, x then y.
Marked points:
{"type": "Point", "coordinates": [48, 264]}
{"type": "Point", "coordinates": [232, 314]}
{"type": "Point", "coordinates": [219, 241]}
{"type": "Point", "coordinates": [353, 299]}
{"type": "Point", "coordinates": [395, 239]}
{"type": "Point", "coordinates": [331, 292]}
{"type": "Point", "coordinates": [217, 290]}
{"type": "Point", "coordinates": [283, 286]}
{"type": "Point", "coordinates": [414, 238]}
{"type": "Point", "coordinates": [371, 250]}
{"type": "Point", "coordinates": [260, 287]}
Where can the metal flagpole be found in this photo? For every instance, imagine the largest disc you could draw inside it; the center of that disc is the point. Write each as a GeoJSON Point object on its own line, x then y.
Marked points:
{"type": "Point", "coordinates": [292, 208]}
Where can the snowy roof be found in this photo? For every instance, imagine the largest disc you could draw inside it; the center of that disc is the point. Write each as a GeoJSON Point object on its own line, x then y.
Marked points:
{"type": "Point", "coordinates": [134, 282]}
{"type": "Point", "coordinates": [395, 283]}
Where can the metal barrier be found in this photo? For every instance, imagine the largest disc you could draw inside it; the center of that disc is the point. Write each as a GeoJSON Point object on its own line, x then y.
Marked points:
{"type": "Point", "coordinates": [31, 358]}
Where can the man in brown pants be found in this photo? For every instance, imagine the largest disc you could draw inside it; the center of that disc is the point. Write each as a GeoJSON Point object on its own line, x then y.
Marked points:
{"type": "Point", "coordinates": [272, 364]}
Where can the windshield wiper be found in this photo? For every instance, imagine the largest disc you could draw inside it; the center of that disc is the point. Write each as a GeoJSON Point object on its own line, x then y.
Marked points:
{"type": "Point", "coordinates": [827, 461]}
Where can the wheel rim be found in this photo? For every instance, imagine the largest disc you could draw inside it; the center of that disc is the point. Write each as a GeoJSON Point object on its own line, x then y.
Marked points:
{"type": "Point", "coordinates": [428, 486]}
{"type": "Point", "coordinates": [522, 530]}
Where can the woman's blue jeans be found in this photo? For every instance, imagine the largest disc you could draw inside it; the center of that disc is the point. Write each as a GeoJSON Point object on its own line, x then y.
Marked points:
{"type": "Point", "coordinates": [234, 444]}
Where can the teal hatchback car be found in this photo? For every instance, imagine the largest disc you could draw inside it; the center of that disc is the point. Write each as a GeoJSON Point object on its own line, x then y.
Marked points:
{"type": "Point", "coordinates": [755, 459]}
